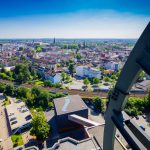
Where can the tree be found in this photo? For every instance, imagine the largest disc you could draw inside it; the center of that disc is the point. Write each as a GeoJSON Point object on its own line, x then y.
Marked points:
{"type": "Point", "coordinates": [63, 75]}
{"type": "Point", "coordinates": [135, 106]}
{"type": "Point", "coordinates": [43, 99]}
{"type": "Point", "coordinates": [21, 48]}
{"type": "Point", "coordinates": [141, 76]}
{"type": "Point", "coordinates": [48, 83]}
{"type": "Point", "coordinates": [22, 73]}
{"type": "Point", "coordinates": [39, 48]}
{"type": "Point", "coordinates": [99, 104]}
{"type": "Point", "coordinates": [114, 77]}
{"type": "Point", "coordinates": [58, 85]}
{"type": "Point", "coordinates": [2, 87]}
{"type": "Point", "coordinates": [78, 56]}
{"type": "Point", "coordinates": [34, 73]}
{"type": "Point", "coordinates": [96, 80]}
{"type": "Point", "coordinates": [23, 93]}
{"type": "Point", "coordinates": [71, 68]}
{"type": "Point", "coordinates": [39, 127]}
{"type": "Point", "coordinates": [86, 81]}
{"type": "Point", "coordinates": [36, 91]}
{"type": "Point", "coordinates": [68, 78]}
{"type": "Point", "coordinates": [106, 79]}
{"type": "Point", "coordinates": [9, 90]}
{"type": "Point", "coordinates": [3, 70]}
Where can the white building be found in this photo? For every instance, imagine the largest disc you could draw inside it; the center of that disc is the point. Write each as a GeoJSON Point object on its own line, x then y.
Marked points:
{"type": "Point", "coordinates": [84, 71]}
{"type": "Point", "coordinates": [112, 65]}
{"type": "Point", "coordinates": [53, 77]}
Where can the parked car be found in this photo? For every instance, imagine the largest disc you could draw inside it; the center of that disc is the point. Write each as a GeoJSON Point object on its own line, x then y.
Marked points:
{"type": "Point", "coordinates": [137, 117]}
{"type": "Point", "coordinates": [142, 127]}
{"type": "Point", "coordinates": [144, 116]}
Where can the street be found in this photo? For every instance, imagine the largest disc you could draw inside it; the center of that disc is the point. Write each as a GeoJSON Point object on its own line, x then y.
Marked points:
{"type": "Point", "coordinates": [4, 127]}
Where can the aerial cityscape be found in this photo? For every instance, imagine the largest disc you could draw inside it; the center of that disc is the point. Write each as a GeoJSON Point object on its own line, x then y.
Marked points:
{"type": "Point", "coordinates": [74, 75]}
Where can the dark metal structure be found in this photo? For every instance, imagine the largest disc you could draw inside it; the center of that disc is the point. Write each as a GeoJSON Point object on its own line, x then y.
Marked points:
{"type": "Point", "coordinates": [138, 60]}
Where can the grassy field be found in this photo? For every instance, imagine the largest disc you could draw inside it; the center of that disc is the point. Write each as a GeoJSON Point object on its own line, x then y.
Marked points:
{"type": "Point", "coordinates": [17, 140]}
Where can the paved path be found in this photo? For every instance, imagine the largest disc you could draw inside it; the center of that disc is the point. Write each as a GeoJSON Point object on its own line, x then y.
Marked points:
{"type": "Point", "coordinates": [4, 129]}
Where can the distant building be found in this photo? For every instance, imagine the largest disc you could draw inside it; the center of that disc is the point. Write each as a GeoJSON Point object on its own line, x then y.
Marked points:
{"type": "Point", "coordinates": [53, 77]}
{"type": "Point", "coordinates": [54, 41]}
{"type": "Point", "coordinates": [112, 65]}
{"type": "Point", "coordinates": [84, 71]}
{"type": "Point", "coordinates": [50, 75]}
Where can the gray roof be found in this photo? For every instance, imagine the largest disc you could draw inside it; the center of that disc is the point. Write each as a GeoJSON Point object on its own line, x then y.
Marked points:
{"type": "Point", "coordinates": [98, 133]}
{"type": "Point", "coordinates": [69, 104]}
{"type": "Point", "coordinates": [69, 145]}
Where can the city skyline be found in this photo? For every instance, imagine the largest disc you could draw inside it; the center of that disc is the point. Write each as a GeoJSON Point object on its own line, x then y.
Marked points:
{"type": "Point", "coordinates": [77, 19]}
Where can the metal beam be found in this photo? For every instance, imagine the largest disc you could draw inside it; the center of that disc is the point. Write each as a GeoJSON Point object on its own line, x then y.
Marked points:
{"type": "Point", "coordinates": [138, 60]}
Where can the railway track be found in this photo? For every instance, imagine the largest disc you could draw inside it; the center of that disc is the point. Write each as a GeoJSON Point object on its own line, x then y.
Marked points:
{"type": "Point", "coordinates": [73, 92]}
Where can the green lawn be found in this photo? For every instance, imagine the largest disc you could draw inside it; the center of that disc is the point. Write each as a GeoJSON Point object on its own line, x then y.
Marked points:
{"type": "Point", "coordinates": [17, 140]}
{"type": "Point", "coordinates": [6, 102]}
{"type": "Point", "coordinates": [39, 83]}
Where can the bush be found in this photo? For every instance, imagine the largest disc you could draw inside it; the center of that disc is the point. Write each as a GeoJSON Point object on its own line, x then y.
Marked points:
{"type": "Point", "coordinates": [5, 76]}
{"type": "Point", "coordinates": [6, 101]}
{"type": "Point", "coordinates": [17, 140]}
{"type": "Point", "coordinates": [48, 83]}
{"type": "Point", "coordinates": [57, 85]}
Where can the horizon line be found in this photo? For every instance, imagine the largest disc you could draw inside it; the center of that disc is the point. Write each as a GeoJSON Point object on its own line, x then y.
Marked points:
{"type": "Point", "coordinates": [68, 38]}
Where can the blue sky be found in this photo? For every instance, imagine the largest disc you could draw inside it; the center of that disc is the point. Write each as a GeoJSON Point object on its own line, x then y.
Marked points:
{"type": "Point", "coordinates": [73, 18]}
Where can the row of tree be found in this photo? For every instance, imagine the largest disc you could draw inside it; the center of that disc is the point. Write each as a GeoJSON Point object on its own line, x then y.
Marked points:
{"type": "Point", "coordinates": [87, 81]}
{"type": "Point", "coordinates": [21, 73]}
{"type": "Point", "coordinates": [137, 106]}
{"type": "Point", "coordinates": [34, 97]}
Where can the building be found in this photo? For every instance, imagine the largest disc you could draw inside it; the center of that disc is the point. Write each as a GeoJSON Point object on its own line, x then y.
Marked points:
{"type": "Point", "coordinates": [66, 106]}
{"type": "Point", "coordinates": [50, 75]}
{"type": "Point", "coordinates": [112, 65]}
{"type": "Point", "coordinates": [53, 77]}
{"type": "Point", "coordinates": [18, 115]}
{"type": "Point", "coordinates": [84, 71]}
{"type": "Point", "coordinates": [148, 77]}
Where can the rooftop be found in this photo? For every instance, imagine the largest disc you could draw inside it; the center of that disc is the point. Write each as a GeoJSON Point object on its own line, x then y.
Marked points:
{"type": "Point", "coordinates": [69, 104]}
{"type": "Point", "coordinates": [18, 114]}
{"type": "Point", "coordinates": [98, 133]}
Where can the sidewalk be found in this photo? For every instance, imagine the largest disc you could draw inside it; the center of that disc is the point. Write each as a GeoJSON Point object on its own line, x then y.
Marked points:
{"type": "Point", "coordinates": [4, 131]}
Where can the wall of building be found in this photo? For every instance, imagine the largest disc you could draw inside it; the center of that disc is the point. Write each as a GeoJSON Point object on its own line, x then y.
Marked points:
{"type": "Point", "coordinates": [64, 124]}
